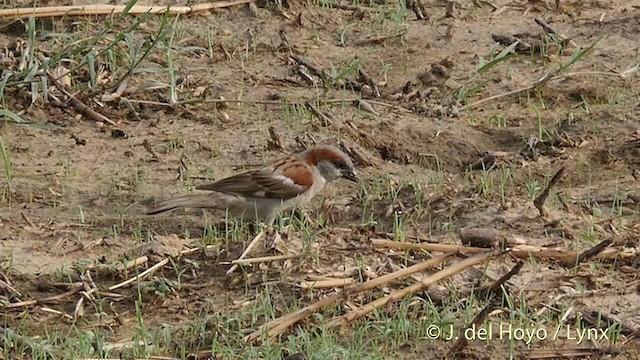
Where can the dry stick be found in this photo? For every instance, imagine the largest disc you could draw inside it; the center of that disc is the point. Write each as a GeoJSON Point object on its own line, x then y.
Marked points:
{"type": "Point", "coordinates": [326, 120]}
{"type": "Point", "coordinates": [132, 263]}
{"type": "Point", "coordinates": [422, 285]}
{"type": "Point", "coordinates": [75, 288]}
{"type": "Point", "coordinates": [507, 40]}
{"type": "Point", "coordinates": [8, 287]}
{"type": "Point", "coordinates": [147, 146]}
{"type": "Point", "coordinates": [476, 322]}
{"type": "Point", "coordinates": [83, 10]}
{"type": "Point", "coordinates": [539, 201]}
{"type": "Point", "coordinates": [495, 287]}
{"type": "Point", "coordinates": [302, 61]}
{"type": "Point", "coordinates": [27, 220]}
{"type": "Point", "coordinates": [78, 311]}
{"type": "Point", "coordinates": [322, 74]}
{"type": "Point", "coordinates": [279, 325]}
{"type": "Point", "coordinates": [444, 248]}
{"type": "Point", "coordinates": [141, 275]}
{"type": "Point", "coordinates": [568, 257]}
{"type": "Point", "coordinates": [548, 28]}
{"type": "Point", "coordinates": [593, 251]}
{"type": "Point", "coordinates": [492, 289]}
{"type": "Point", "coordinates": [56, 312]}
{"type": "Point", "coordinates": [252, 244]}
{"type": "Point", "coordinates": [196, 249]}
{"type": "Point", "coordinates": [269, 102]}
{"type": "Point", "coordinates": [376, 40]}
{"type": "Point", "coordinates": [81, 107]}
{"type": "Point", "coordinates": [498, 96]}
{"type": "Point", "coordinates": [260, 259]}
{"type": "Point", "coordinates": [326, 283]}
{"type": "Point", "coordinates": [284, 325]}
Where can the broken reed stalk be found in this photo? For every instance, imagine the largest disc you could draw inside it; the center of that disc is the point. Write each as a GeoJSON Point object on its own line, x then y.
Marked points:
{"type": "Point", "coordinates": [277, 326]}
{"type": "Point", "coordinates": [79, 105]}
{"type": "Point", "coordinates": [85, 10]}
{"type": "Point", "coordinates": [497, 285]}
{"type": "Point", "coordinates": [482, 315]}
{"type": "Point", "coordinates": [327, 283]}
{"type": "Point", "coordinates": [75, 288]}
{"type": "Point", "coordinates": [261, 259]}
{"type": "Point", "coordinates": [595, 250]}
{"type": "Point", "coordinates": [422, 285]}
{"type": "Point", "coordinates": [244, 254]}
{"type": "Point", "coordinates": [519, 251]}
{"type": "Point", "coordinates": [141, 275]}
{"type": "Point", "coordinates": [443, 248]}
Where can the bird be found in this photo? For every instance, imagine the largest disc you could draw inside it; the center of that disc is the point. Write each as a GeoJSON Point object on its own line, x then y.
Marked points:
{"type": "Point", "coordinates": [261, 194]}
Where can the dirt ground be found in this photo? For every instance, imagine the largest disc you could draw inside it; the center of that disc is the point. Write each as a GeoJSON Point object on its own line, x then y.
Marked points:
{"type": "Point", "coordinates": [75, 201]}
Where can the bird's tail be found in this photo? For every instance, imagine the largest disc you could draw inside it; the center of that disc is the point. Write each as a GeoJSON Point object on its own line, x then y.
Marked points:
{"type": "Point", "coordinates": [186, 201]}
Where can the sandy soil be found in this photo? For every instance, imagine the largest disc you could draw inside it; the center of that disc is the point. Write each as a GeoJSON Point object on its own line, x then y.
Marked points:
{"type": "Point", "coordinates": [79, 187]}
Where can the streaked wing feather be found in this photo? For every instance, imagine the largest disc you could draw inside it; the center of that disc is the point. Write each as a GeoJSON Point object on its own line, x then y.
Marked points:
{"type": "Point", "coordinates": [261, 183]}
{"type": "Point", "coordinates": [241, 184]}
{"type": "Point", "coordinates": [278, 187]}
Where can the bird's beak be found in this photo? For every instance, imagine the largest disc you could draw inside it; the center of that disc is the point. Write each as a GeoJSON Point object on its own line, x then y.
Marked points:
{"type": "Point", "coordinates": [351, 175]}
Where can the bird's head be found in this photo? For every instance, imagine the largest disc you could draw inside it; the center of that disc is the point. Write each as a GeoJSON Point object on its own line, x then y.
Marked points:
{"type": "Point", "coordinates": [331, 163]}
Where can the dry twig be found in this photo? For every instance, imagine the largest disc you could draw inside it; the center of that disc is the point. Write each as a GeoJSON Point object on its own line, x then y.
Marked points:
{"type": "Point", "coordinates": [261, 259]}
{"type": "Point", "coordinates": [85, 10]}
{"type": "Point", "coordinates": [443, 248]}
{"type": "Point", "coordinates": [518, 247]}
{"type": "Point", "coordinates": [326, 119]}
{"type": "Point", "coordinates": [147, 146]}
{"type": "Point", "coordinates": [326, 283]}
{"type": "Point", "coordinates": [422, 285]}
{"type": "Point", "coordinates": [251, 245]}
{"type": "Point", "coordinates": [141, 275]}
{"type": "Point", "coordinates": [588, 254]}
{"type": "Point", "coordinates": [279, 325]}
{"type": "Point", "coordinates": [476, 322]}
{"type": "Point", "coordinates": [539, 201]}
{"type": "Point", "coordinates": [79, 105]}
{"type": "Point", "coordinates": [75, 288]}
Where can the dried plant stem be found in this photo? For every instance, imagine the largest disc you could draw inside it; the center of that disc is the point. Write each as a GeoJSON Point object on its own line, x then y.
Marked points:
{"type": "Point", "coordinates": [79, 105]}
{"type": "Point", "coordinates": [277, 326]}
{"type": "Point", "coordinates": [84, 10]}
{"type": "Point", "coordinates": [141, 275]}
{"type": "Point", "coordinates": [422, 285]}
{"type": "Point", "coordinates": [252, 244]}
{"type": "Point", "coordinates": [326, 283]}
{"type": "Point", "coordinates": [262, 259]}
{"type": "Point", "coordinates": [539, 201]}
{"type": "Point", "coordinates": [444, 248]}
{"type": "Point", "coordinates": [75, 288]}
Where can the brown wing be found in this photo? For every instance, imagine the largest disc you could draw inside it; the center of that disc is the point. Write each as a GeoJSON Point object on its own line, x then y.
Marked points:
{"type": "Point", "coordinates": [268, 182]}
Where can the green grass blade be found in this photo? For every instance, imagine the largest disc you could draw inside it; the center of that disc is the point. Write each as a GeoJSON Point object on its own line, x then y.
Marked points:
{"type": "Point", "coordinates": [502, 56]}
{"type": "Point", "coordinates": [8, 165]}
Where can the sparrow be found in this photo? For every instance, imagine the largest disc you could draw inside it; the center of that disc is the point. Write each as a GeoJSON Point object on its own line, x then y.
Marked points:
{"type": "Point", "coordinates": [262, 193]}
